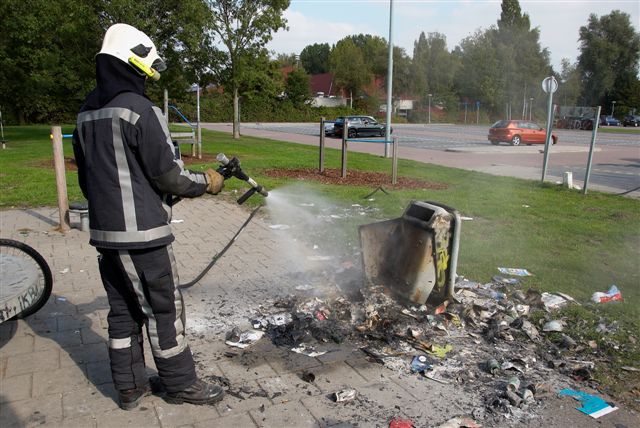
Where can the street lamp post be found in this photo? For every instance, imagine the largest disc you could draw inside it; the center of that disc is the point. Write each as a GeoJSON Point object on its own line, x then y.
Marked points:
{"type": "Point", "coordinates": [530, 107]}
{"type": "Point", "coordinates": [613, 107]}
{"type": "Point", "coordinates": [430, 95]}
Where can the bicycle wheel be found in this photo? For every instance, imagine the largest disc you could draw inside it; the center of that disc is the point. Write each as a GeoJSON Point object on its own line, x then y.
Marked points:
{"type": "Point", "coordinates": [25, 280]}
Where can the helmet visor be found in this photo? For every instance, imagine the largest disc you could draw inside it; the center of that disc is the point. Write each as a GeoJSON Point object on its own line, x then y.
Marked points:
{"type": "Point", "coordinates": [159, 65]}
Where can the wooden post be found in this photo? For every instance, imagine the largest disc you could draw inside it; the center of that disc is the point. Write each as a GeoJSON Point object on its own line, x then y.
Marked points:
{"type": "Point", "coordinates": [61, 180]}
{"type": "Point", "coordinates": [321, 166]}
{"type": "Point", "coordinates": [345, 135]}
{"type": "Point", "coordinates": [394, 163]}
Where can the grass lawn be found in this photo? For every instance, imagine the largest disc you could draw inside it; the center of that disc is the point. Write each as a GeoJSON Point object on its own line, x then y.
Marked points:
{"type": "Point", "coordinates": [572, 243]}
{"type": "Point", "coordinates": [619, 130]}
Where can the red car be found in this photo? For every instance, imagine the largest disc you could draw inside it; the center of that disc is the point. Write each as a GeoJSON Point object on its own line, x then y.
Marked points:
{"type": "Point", "coordinates": [516, 132]}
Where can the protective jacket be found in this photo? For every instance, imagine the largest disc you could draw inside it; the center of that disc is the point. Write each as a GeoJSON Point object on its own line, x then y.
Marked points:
{"type": "Point", "coordinates": [126, 162]}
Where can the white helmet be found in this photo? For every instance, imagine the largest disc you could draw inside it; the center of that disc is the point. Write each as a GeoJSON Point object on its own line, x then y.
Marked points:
{"type": "Point", "coordinates": [132, 46]}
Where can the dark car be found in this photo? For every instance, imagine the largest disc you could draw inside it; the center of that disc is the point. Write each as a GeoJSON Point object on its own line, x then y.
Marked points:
{"type": "Point", "coordinates": [609, 121]}
{"type": "Point", "coordinates": [632, 120]}
{"type": "Point", "coordinates": [516, 132]}
{"type": "Point", "coordinates": [360, 126]}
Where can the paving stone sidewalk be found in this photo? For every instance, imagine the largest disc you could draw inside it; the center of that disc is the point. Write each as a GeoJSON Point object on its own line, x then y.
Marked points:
{"type": "Point", "coordinates": [54, 368]}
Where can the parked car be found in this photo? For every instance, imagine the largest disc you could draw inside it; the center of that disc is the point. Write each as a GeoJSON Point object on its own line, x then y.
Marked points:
{"type": "Point", "coordinates": [609, 121]}
{"type": "Point", "coordinates": [631, 120]}
{"type": "Point", "coordinates": [329, 130]}
{"type": "Point", "coordinates": [360, 126]}
{"type": "Point", "coordinates": [516, 132]}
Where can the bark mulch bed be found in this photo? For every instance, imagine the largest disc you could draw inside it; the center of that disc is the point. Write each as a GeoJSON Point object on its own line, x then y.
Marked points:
{"type": "Point", "coordinates": [353, 178]}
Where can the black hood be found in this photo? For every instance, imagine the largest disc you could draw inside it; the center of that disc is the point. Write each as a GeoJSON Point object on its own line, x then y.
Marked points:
{"type": "Point", "coordinates": [113, 77]}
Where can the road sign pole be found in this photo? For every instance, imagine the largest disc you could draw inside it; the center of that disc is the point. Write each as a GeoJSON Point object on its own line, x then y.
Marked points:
{"type": "Point", "coordinates": [593, 143]}
{"type": "Point", "coordinates": [549, 85]}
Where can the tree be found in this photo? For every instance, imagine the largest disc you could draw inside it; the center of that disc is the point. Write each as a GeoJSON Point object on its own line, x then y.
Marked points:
{"type": "Point", "coordinates": [434, 67]}
{"type": "Point", "coordinates": [570, 85]}
{"type": "Point", "coordinates": [374, 49]}
{"type": "Point", "coordinates": [608, 60]}
{"type": "Point", "coordinates": [349, 67]}
{"type": "Point", "coordinates": [181, 31]}
{"type": "Point", "coordinates": [244, 27]}
{"type": "Point", "coordinates": [297, 87]}
{"type": "Point", "coordinates": [315, 58]}
{"type": "Point", "coordinates": [46, 54]}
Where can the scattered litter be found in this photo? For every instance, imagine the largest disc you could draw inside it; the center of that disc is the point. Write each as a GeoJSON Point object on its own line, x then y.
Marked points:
{"type": "Point", "coordinates": [508, 365]}
{"type": "Point", "coordinates": [527, 395]}
{"type": "Point", "coordinates": [513, 384]}
{"type": "Point", "coordinates": [440, 351]}
{"type": "Point", "coordinates": [344, 395]}
{"type": "Point", "coordinates": [62, 299]}
{"type": "Point", "coordinates": [592, 344]}
{"type": "Point", "coordinates": [319, 258]}
{"type": "Point", "coordinates": [526, 206]}
{"type": "Point", "coordinates": [279, 226]}
{"type": "Point", "coordinates": [552, 301]}
{"type": "Point", "coordinates": [177, 220]}
{"type": "Point", "coordinates": [401, 423]}
{"type": "Point", "coordinates": [554, 325]}
{"type": "Point", "coordinates": [514, 271]}
{"type": "Point", "coordinates": [460, 422]}
{"type": "Point", "coordinates": [513, 398]}
{"type": "Point", "coordinates": [309, 351]}
{"type": "Point", "coordinates": [433, 375]}
{"type": "Point", "coordinates": [272, 320]}
{"type": "Point", "coordinates": [304, 287]}
{"type": "Point", "coordinates": [493, 366]}
{"type": "Point", "coordinates": [568, 342]}
{"type": "Point", "coordinates": [611, 295]}
{"type": "Point", "coordinates": [420, 364]}
{"type": "Point", "coordinates": [308, 204]}
{"type": "Point", "coordinates": [592, 405]}
{"type": "Point", "coordinates": [243, 339]}
{"type": "Point", "coordinates": [65, 270]}
{"type": "Point", "coordinates": [463, 218]}
{"type": "Point", "coordinates": [504, 280]}
{"type": "Point", "coordinates": [308, 377]}
{"type": "Point", "coordinates": [604, 328]}
{"type": "Point", "coordinates": [630, 369]}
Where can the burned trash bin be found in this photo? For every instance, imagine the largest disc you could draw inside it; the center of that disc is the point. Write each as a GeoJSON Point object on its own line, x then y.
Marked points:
{"type": "Point", "coordinates": [415, 256]}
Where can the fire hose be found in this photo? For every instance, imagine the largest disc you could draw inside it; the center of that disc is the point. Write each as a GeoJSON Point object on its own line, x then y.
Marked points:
{"type": "Point", "coordinates": [231, 168]}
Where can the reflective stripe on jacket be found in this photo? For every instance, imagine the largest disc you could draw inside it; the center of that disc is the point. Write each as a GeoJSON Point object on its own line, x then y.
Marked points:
{"type": "Point", "coordinates": [128, 173]}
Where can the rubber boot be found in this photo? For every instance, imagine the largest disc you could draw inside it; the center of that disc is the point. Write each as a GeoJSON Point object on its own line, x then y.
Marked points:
{"type": "Point", "coordinates": [200, 392]}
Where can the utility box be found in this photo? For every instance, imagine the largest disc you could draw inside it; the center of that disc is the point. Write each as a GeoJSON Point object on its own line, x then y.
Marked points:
{"type": "Point", "coordinates": [416, 255]}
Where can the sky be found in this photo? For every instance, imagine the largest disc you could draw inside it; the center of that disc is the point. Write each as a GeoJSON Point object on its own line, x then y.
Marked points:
{"type": "Point", "coordinates": [327, 21]}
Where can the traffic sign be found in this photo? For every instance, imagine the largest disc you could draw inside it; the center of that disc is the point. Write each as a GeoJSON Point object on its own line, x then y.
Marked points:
{"type": "Point", "coordinates": [549, 84]}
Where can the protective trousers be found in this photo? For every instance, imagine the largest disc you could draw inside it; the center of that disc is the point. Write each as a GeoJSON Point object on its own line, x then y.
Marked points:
{"type": "Point", "coordinates": [141, 286]}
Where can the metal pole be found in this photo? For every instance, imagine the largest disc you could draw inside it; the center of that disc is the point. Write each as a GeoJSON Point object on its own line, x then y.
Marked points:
{"type": "Point", "coordinates": [477, 114]}
{"type": "Point", "coordinates": [549, 127]}
{"type": "Point", "coordinates": [345, 134]}
{"type": "Point", "coordinates": [394, 163]}
{"type": "Point", "coordinates": [593, 144]}
{"type": "Point", "coordinates": [530, 108]}
{"type": "Point", "coordinates": [166, 105]}
{"type": "Point", "coordinates": [198, 127]}
{"type": "Point", "coordinates": [4, 142]}
{"type": "Point", "coordinates": [61, 181]}
{"type": "Point", "coordinates": [387, 132]}
{"type": "Point", "coordinates": [321, 160]}
{"type": "Point", "coordinates": [465, 113]}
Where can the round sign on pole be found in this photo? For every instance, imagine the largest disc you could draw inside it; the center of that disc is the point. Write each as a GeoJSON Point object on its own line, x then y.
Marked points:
{"type": "Point", "coordinates": [549, 84]}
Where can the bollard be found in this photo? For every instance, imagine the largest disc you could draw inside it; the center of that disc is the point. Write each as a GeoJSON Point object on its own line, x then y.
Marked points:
{"type": "Point", "coordinates": [61, 181]}
{"type": "Point", "coordinates": [567, 180]}
{"type": "Point", "coordinates": [345, 135]}
{"type": "Point", "coordinates": [394, 163]}
{"type": "Point", "coordinates": [321, 160]}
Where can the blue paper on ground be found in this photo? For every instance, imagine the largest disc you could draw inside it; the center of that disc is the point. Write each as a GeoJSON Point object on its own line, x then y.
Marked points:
{"type": "Point", "coordinates": [592, 405]}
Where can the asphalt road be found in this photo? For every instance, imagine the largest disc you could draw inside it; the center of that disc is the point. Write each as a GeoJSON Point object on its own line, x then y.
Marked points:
{"type": "Point", "coordinates": [615, 168]}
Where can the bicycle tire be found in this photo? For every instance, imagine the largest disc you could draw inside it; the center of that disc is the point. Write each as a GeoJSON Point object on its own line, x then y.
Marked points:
{"type": "Point", "coordinates": [35, 296]}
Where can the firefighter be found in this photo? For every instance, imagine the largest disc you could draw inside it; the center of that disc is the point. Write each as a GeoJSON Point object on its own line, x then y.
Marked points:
{"type": "Point", "coordinates": [128, 172]}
